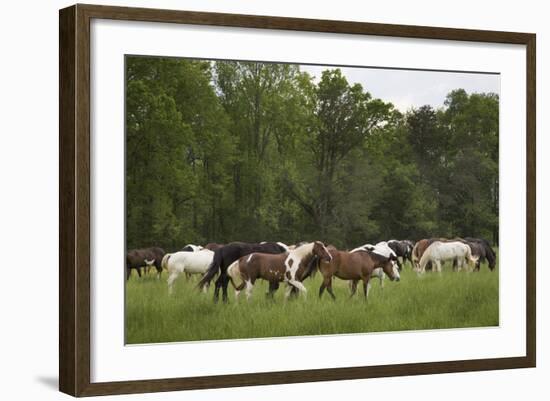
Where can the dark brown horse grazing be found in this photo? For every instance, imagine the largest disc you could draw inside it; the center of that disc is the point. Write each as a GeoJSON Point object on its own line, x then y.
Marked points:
{"type": "Point", "coordinates": [292, 267]}
{"type": "Point", "coordinates": [482, 248]}
{"type": "Point", "coordinates": [138, 258]}
{"type": "Point", "coordinates": [355, 266]}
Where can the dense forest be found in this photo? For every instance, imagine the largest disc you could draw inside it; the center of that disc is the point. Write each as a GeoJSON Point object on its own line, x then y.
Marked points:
{"type": "Point", "coordinates": [225, 151]}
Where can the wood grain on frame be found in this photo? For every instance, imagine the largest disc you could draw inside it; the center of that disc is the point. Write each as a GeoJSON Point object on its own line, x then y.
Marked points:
{"type": "Point", "coordinates": [74, 199]}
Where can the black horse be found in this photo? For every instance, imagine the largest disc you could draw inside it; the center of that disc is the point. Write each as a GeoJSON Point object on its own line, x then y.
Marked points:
{"type": "Point", "coordinates": [482, 248]}
{"type": "Point", "coordinates": [224, 256]}
{"type": "Point", "coordinates": [403, 249]}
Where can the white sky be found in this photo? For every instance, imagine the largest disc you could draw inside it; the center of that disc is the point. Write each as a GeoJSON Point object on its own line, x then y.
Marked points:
{"type": "Point", "coordinates": [411, 88]}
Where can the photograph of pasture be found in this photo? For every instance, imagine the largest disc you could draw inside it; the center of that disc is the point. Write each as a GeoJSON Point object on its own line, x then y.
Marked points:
{"type": "Point", "coordinates": [275, 199]}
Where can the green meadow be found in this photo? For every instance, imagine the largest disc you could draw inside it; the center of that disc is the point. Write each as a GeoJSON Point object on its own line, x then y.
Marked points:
{"type": "Point", "coordinates": [431, 301]}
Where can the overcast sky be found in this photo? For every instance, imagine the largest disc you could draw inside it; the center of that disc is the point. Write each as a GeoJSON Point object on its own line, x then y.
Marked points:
{"type": "Point", "coordinates": [411, 88]}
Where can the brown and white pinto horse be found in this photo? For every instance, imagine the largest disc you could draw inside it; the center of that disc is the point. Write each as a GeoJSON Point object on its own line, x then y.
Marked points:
{"type": "Point", "coordinates": [226, 255]}
{"type": "Point", "coordinates": [292, 267]}
{"type": "Point", "coordinates": [355, 266]}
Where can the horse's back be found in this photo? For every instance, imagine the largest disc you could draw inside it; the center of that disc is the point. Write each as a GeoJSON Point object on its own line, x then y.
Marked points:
{"type": "Point", "coordinates": [448, 250]}
{"type": "Point", "coordinates": [190, 261]}
{"type": "Point", "coordinates": [259, 258]}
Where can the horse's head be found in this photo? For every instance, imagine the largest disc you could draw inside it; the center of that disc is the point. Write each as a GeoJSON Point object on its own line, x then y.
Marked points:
{"type": "Point", "coordinates": [321, 250]}
{"type": "Point", "coordinates": [391, 269]}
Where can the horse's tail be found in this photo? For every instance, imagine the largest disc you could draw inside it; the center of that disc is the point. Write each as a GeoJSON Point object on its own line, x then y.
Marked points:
{"type": "Point", "coordinates": [212, 270]}
{"type": "Point", "coordinates": [233, 273]}
{"type": "Point", "coordinates": [164, 263]}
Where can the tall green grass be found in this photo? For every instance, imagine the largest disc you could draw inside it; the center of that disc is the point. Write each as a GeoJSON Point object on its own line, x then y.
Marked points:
{"type": "Point", "coordinates": [431, 301]}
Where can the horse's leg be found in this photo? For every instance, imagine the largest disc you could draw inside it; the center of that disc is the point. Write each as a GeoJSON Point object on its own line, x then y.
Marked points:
{"type": "Point", "coordinates": [249, 287]}
{"type": "Point", "coordinates": [438, 266]}
{"type": "Point", "coordinates": [324, 285]}
{"type": "Point", "coordinates": [294, 292]}
{"type": "Point", "coordinates": [128, 271]}
{"type": "Point", "coordinates": [225, 283]}
{"type": "Point", "coordinates": [273, 286]}
{"type": "Point", "coordinates": [217, 289]}
{"type": "Point", "coordinates": [298, 285]}
{"type": "Point", "coordinates": [291, 291]}
{"type": "Point", "coordinates": [159, 270]}
{"type": "Point", "coordinates": [288, 291]}
{"type": "Point", "coordinates": [329, 289]}
{"type": "Point", "coordinates": [322, 289]}
{"type": "Point", "coordinates": [353, 288]}
{"type": "Point", "coordinates": [478, 264]}
{"type": "Point", "coordinates": [366, 286]}
{"type": "Point", "coordinates": [139, 272]}
{"type": "Point", "coordinates": [171, 278]}
{"type": "Point", "coordinates": [400, 264]}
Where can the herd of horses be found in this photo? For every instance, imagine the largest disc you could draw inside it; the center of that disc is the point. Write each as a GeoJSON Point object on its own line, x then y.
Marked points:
{"type": "Point", "coordinates": [242, 264]}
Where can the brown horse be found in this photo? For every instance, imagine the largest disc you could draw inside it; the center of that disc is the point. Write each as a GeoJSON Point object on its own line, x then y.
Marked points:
{"type": "Point", "coordinates": [292, 267]}
{"type": "Point", "coordinates": [138, 258]}
{"type": "Point", "coordinates": [355, 266]}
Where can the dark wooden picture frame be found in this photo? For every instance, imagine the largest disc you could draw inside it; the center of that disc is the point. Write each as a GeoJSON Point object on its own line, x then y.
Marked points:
{"type": "Point", "coordinates": [74, 203]}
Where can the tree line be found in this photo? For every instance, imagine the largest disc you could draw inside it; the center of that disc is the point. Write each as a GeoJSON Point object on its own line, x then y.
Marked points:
{"type": "Point", "coordinates": [224, 151]}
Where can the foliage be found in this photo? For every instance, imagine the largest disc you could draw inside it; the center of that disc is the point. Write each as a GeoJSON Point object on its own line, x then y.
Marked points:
{"type": "Point", "coordinates": [224, 151]}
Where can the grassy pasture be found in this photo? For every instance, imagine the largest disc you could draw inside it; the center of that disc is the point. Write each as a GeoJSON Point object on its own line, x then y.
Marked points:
{"type": "Point", "coordinates": [431, 301]}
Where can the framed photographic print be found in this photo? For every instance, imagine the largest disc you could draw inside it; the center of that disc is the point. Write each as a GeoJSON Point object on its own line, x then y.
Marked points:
{"type": "Point", "coordinates": [240, 194]}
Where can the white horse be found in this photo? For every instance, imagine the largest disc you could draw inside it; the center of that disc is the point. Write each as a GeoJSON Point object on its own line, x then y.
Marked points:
{"type": "Point", "coordinates": [439, 252]}
{"type": "Point", "coordinates": [186, 262]}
